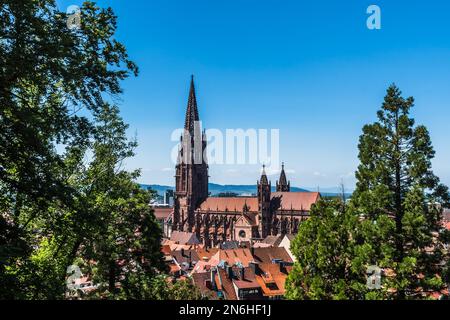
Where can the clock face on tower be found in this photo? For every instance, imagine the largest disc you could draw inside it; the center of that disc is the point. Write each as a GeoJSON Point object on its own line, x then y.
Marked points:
{"type": "Point", "coordinates": [242, 234]}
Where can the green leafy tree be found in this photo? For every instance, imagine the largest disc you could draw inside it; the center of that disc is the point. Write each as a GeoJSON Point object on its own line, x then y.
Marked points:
{"type": "Point", "coordinates": [324, 250]}
{"type": "Point", "coordinates": [400, 201]}
{"type": "Point", "coordinates": [120, 244]}
{"type": "Point", "coordinates": [163, 289]}
{"type": "Point", "coordinates": [57, 208]}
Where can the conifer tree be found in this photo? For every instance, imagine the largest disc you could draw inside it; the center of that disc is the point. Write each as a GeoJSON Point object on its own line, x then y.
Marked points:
{"type": "Point", "coordinates": [393, 221]}
{"type": "Point", "coordinates": [399, 201]}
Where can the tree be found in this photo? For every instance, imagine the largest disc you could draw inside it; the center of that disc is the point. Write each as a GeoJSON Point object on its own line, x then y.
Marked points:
{"type": "Point", "coordinates": [393, 220]}
{"type": "Point", "coordinates": [120, 244]}
{"type": "Point", "coordinates": [400, 201]}
{"type": "Point", "coordinates": [56, 209]}
{"type": "Point", "coordinates": [324, 249]}
{"type": "Point", "coordinates": [162, 289]}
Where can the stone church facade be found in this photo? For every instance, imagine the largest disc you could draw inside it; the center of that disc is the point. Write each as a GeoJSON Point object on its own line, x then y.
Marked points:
{"type": "Point", "coordinates": [218, 219]}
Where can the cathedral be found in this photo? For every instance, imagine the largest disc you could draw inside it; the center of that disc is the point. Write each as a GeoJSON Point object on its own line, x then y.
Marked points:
{"type": "Point", "coordinates": [218, 219]}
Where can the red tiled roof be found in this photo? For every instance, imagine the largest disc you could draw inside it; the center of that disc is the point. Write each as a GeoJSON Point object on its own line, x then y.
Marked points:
{"type": "Point", "coordinates": [201, 267]}
{"type": "Point", "coordinates": [205, 254]}
{"type": "Point", "coordinates": [266, 255]}
{"type": "Point", "coordinates": [232, 256]}
{"type": "Point", "coordinates": [296, 200]}
{"type": "Point", "coordinates": [162, 213]}
{"type": "Point", "coordinates": [229, 204]}
{"type": "Point", "coordinates": [180, 237]}
{"type": "Point", "coordinates": [200, 281]}
{"type": "Point", "coordinates": [272, 275]}
{"type": "Point", "coordinates": [248, 281]}
{"type": "Point", "coordinates": [225, 285]}
{"type": "Point", "coordinates": [165, 249]}
{"type": "Point", "coordinates": [273, 241]}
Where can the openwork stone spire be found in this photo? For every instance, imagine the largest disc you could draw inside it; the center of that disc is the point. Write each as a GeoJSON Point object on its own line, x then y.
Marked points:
{"type": "Point", "coordinates": [191, 112]}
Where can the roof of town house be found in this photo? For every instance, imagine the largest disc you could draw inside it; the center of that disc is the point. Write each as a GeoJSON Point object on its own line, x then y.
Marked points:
{"type": "Point", "coordinates": [273, 240]}
{"type": "Point", "coordinates": [232, 256]}
{"type": "Point", "coordinates": [179, 247]}
{"type": "Point", "coordinates": [272, 279]}
{"type": "Point", "coordinates": [181, 237]}
{"type": "Point", "coordinates": [176, 247]}
{"type": "Point", "coordinates": [165, 249]}
{"type": "Point", "coordinates": [267, 255]}
{"type": "Point", "coordinates": [229, 204]}
{"type": "Point", "coordinates": [203, 282]}
{"type": "Point", "coordinates": [201, 267]}
{"type": "Point", "coordinates": [161, 213]}
{"type": "Point", "coordinates": [248, 281]}
{"type": "Point", "coordinates": [185, 256]}
{"type": "Point", "coordinates": [204, 254]}
{"type": "Point", "coordinates": [225, 284]}
{"type": "Point", "coordinates": [229, 245]}
{"type": "Point", "coordinates": [298, 201]}
{"type": "Point", "coordinates": [447, 225]}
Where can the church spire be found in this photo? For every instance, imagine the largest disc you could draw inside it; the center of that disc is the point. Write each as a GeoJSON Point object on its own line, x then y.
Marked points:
{"type": "Point", "coordinates": [191, 111]}
{"type": "Point", "coordinates": [283, 185]}
{"type": "Point", "coordinates": [264, 179]}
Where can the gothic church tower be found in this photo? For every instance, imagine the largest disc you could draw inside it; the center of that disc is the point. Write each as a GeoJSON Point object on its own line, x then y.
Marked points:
{"type": "Point", "coordinates": [265, 214]}
{"type": "Point", "coordinates": [191, 171]}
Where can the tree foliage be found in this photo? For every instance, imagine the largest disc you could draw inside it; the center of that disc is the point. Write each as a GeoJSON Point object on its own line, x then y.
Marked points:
{"type": "Point", "coordinates": [324, 249]}
{"type": "Point", "coordinates": [64, 195]}
{"type": "Point", "coordinates": [393, 221]}
{"type": "Point", "coordinates": [401, 198]}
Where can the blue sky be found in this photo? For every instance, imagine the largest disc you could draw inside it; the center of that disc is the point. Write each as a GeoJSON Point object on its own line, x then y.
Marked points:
{"type": "Point", "coordinates": [309, 68]}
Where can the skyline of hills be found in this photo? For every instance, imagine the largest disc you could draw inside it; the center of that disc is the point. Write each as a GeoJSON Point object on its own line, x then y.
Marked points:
{"type": "Point", "coordinates": [242, 190]}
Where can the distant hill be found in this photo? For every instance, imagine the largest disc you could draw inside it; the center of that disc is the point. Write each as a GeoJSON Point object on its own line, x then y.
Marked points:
{"type": "Point", "coordinates": [242, 190]}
